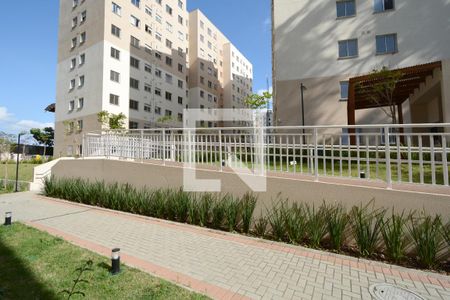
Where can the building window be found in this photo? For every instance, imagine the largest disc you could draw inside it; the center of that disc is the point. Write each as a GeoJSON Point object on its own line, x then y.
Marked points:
{"type": "Point", "coordinates": [134, 42]}
{"type": "Point", "coordinates": [180, 117]}
{"type": "Point", "coordinates": [134, 62]}
{"type": "Point", "coordinates": [180, 4]}
{"type": "Point", "coordinates": [71, 105]}
{"type": "Point", "coordinates": [147, 88]}
{"type": "Point", "coordinates": [74, 22]}
{"type": "Point", "coordinates": [387, 44]}
{"type": "Point", "coordinates": [202, 80]}
{"type": "Point", "coordinates": [168, 96]}
{"type": "Point", "coordinates": [74, 43]}
{"type": "Point", "coordinates": [180, 19]}
{"type": "Point", "coordinates": [158, 55]}
{"type": "Point", "coordinates": [169, 27]}
{"type": "Point", "coordinates": [115, 31]}
{"type": "Point", "coordinates": [82, 38]}
{"type": "Point", "coordinates": [82, 59]}
{"type": "Point", "coordinates": [168, 9]}
{"type": "Point", "coordinates": [73, 63]}
{"type": "Point", "coordinates": [202, 94]}
{"type": "Point", "coordinates": [158, 18]}
{"type": "Point", "coordinates": [133, 125]}
{"type": "Point", "coordinates": [80, 103]}
{"type": "Point", "coordinates": [79, 125]}
{"type": "Point", "coordinates": [168, 113]}
{"type": "Point", "coordinates": [158, 92]}
{"type": "Point", "coordinates": [72, 84]}
{"type": "Point", "coordinates": [135, 21]}
{"type": "Point", "coordinates": [83, 17]}
{"type": "Point", "coordinates": [149, 11]}
{"type": "Point", "coordinates": [158, 36]}
{"type": "Point", "coordinates": [180, 68]}
{"type": "Point", "coordinates": [113, 99]}
{"type": "Point", "coordinates": [344, 90]}
{"type": "Point", "coordinates": [148, 29]}
{"type": "Point", "coordinates": [180, 100]}
{"type": "Point", "coordinates": [383, 5]}
{"type": "Point", "coordinates": [81, 81]}
{"type": "Point", "coordinates": [158, 73]}
{"type": "Point", "coordinates": [169, 78]}
{"type": "Point", "coordinates": [168, 61]}
{"type": "Point", "coordinates": [115, 76]}
{"type": "Point", "coordinates": [115, 53]}
{"type": "Point", "coordinates": [134, 83]}
{"type": "Point", "coordinates": [346, 8]}
{"type": "Point", "coordinates": [180, 84]}
{"type": "Point", "coordinates": [147, 108]}
{"type": "Point", "coordinates": [116, 9]}
{"type": "Point", "coordinates": [168, 44]}
{"type": "Point", "coordinates": [134, 105]}
{"type": "Point", "coordinates": [148, 68]}
{"type": "Point", "coordinates": [136, 3]}
{"type": "Point", "coordinates": [348, 48]}
{"type": "Point", "coordinates": [157, 110]}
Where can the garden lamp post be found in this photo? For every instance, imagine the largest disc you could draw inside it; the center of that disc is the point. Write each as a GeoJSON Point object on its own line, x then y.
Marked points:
{"type": "Point", "coordinates": [8, 218]}
{"type": "Point", "coordinates": [115, 261]}
{"type": "Point", "coordinates": [17, 161]}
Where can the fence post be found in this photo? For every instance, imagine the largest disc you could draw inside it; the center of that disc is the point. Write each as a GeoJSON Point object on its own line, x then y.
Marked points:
{"type": "Point", "coordinates": [220, 150]}
{"type": "Point", "coordinates": [444, 159]}
{"type": "Point", "coordinates": [387, 150]}
{"type": "Point", "coordinates": [164, 146]}
{"type": "Point", "coordinates": [142, 146]}
{"type": "Point", "coordinates": [316, 157]}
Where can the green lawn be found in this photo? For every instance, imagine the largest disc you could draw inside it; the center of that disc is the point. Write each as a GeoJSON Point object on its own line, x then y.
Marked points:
{"type": "Point", "coordinates": [36, 265]}
{"type": "Point", "coordinates": [9, 171]}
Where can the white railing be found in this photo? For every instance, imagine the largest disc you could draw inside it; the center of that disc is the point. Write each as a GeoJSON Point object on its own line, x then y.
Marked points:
{"type": "Point", "coordinates": [416, 153]}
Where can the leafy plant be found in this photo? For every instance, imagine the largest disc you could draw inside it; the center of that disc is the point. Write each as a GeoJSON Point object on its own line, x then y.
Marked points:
{"type": "Point", "coordinates": [277, 221]}
{"type": "Point", "coordinates": [204, 209]}
{"type": "Point", "coordinates": [446, 233]}
{"type": "Point", "coordinates": [425, 232]}
{"type": "Point", "coordinates": [316, 224]}
{"type": "Point", "coordinates": [393, 232]}
{"type": "Point", "coordinates": [248, 204]}
{"type": "Point", "coordinates": [86, 267]}
{"type": "Point", "coordinates": [366, 228]}
{"type": "Point", "coordinates": [337, 221]}
{"type": "Point", "coordinates": [261, 226]}
{"type": "Point", "coordinates": [218, 213]}
{"type": "Point", "coordinates": [295, 223]}
{"type": "Point", "coordinates": [232, 212]}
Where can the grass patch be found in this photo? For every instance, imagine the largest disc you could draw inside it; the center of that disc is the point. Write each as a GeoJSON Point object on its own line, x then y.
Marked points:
{"type": "Point", "coordinates": [36, 265]}
{"type": "Point", "coordinates": [8, 171]}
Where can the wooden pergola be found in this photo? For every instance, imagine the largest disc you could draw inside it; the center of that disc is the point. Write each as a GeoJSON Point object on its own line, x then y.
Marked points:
{"type": "Point", "coordinates": [360, 88]}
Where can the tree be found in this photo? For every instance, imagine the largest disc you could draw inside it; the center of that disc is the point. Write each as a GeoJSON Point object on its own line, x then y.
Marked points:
{"type": "Point", "coordinates": [382, 90]}
{"type": "Point", "coordinates": [45, 137]}
{"type": "Point", "coordinates": [256, 101]}
{"type": "Point", "coordinates": [113, 121]}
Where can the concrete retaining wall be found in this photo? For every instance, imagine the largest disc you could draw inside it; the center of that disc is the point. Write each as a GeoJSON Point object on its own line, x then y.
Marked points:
{"type": "Point", "coordinates": [156, 176]}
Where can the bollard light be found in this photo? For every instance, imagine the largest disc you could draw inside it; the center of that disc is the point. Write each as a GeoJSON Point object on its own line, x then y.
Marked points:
{"type": "Point", "coordinates": [223, 163]}
{"type": "Point", "coordinates": [8, 217]}
{"type": "Point", "coordinates": [362, 175]}
{"type": "Point", "coordinates": [115, 261]}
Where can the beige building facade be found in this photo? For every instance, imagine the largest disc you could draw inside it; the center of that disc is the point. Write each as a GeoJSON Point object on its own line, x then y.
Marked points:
{"type": "Point", "coordinates": [324, 44]}
{"type": "Point", "coordinates": [135, 57]}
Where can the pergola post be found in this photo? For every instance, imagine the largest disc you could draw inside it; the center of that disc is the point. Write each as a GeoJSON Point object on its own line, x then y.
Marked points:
{"type": "Point", "coordinates": [400, 121]}
{"type": "Point", "coordinates": [351, 115]}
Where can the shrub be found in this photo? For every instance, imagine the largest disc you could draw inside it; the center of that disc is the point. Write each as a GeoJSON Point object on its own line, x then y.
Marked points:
{"type": "Point", "coordinates": [248, 204]}
{"type": "Point", "coordinates": [218, 213]}
{"type": "Point", "coordinates": [426, 234]}
{"type": "Point", "coordinates": [261, 226]}
{"type": "Point", "coordinates": [366, 228]}
{"type": "Point", "coordinates": [295, 223]}
{"type": "Point", "coordinates": [393, 232]}
{"type": "Point", "coordinates": [316, 224]}
{"type": "Point", "coordinates": [232, 212]}
{"type": "Point", "coordinates": [194, 215]}
{"type": "Point", "coordinates": [181, 205]}
{"type": "Point", "coordinates": [446, 233]}
{"type": "Point", "coordinates": [204, 209]}
{"type": "Point", "coordinates": [277, 221]}
{"type": "Point", "coordinates": [337, 223]}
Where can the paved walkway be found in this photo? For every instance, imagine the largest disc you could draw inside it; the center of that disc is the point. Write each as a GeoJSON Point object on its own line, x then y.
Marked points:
{"type": "Point", "coordinates": [221, 265]}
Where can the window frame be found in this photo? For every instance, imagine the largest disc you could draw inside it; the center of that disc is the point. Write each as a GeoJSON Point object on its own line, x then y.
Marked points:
{"type": "Point", "coordinates": [347, 43]}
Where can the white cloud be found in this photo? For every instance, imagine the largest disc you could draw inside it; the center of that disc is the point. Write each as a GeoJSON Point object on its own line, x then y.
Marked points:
{"type": "Point", "coordinates": [4, 114]}
{"type": "Point", "coordinates": [10, 123]}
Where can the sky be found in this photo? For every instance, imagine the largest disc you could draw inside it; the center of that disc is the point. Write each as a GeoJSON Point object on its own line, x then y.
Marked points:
{"type": "Point", "coordinates": [28, 53]}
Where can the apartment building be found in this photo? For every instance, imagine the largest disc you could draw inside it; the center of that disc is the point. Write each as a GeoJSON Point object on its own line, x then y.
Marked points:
{"type": "Point", "coordinates": [134, 57]}
{"type": "Point", "coordinates": [329, 47]}
{"type": "Point", "coordinates": [220, 75]}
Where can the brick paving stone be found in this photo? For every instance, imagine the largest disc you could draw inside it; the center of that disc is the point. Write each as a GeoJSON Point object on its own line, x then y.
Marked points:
{"type": "Point", "coordinates": [222, 265]}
